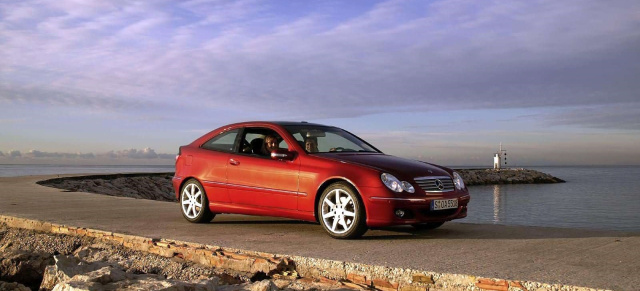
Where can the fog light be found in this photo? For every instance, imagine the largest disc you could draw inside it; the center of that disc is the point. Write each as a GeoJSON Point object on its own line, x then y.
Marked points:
{"type": "Point", "coordinates": [400, 213]}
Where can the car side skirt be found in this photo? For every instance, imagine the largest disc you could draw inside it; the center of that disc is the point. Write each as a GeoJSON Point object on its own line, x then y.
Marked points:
{"type": "Point", "coordinates": [218, 207]}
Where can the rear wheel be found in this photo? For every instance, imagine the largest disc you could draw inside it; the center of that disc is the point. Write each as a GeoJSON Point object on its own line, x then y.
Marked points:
{"type": "Point", "coordinates": [427, 225]}
{"type": "Point", "coordinates": [194, 203]}
{"type": "Point", "coordinates": [341, 212]}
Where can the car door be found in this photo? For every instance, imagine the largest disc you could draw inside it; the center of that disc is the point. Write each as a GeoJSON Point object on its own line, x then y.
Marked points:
{"type": "Point", "coordinates": [258, 180]}
{"type": "Point", "coordinates": [211, 164]}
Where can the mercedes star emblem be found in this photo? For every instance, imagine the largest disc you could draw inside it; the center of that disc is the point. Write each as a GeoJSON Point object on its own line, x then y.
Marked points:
{"type": "Point", "coordinates": [439, 184]}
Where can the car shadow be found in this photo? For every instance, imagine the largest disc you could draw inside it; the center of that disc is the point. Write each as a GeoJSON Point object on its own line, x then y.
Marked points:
{"type": "Point", "coordinates": [449, 231]}
{"type": "Point", "coordinates": [489, 231]}
{"type": "Point", "coordinates": [263, 222]}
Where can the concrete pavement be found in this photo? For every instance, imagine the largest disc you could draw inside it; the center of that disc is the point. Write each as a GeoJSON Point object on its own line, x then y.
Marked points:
{"type": "Point", "coordinates": [597, 259]}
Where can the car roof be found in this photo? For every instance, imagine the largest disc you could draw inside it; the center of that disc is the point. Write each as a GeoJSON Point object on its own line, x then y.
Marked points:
{"type": "Point", "coordinates": [288, 123]}
{"type": "Point", "coordinates": [282, 123]}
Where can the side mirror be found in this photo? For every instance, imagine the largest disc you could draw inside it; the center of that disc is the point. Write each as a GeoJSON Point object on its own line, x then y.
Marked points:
{"type": "Point", "coordinates": [282, 155]}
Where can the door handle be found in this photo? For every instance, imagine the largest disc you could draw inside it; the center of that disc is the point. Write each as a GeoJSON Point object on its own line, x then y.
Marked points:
{"type": "Point", "coordinates": [234, 162]}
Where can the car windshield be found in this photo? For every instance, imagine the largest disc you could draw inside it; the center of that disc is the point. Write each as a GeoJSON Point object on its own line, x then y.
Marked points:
{"type": "Point", "coordinates": [323, 139]}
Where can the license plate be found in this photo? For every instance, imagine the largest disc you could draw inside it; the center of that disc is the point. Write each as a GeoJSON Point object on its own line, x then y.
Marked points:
{"type": "Point", "coordinates": [444, 204]}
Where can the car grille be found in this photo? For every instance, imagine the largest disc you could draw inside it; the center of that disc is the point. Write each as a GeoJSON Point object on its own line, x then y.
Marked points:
{"type": "Point", "coordinates": [431, 184]}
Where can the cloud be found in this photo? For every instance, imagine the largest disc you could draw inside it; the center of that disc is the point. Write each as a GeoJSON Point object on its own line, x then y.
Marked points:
{"type": "Point", "coordinates": [12, 120]}
{"type": "Point", "coordinates": [51, 96]}
{"type": "Point", "coordinates": [216, 12]}
{"type": "Point", "coordinates": [618, 116]}
{"type": "Point", "coordinates": [41, 154]}
{"type": "Point", "coordinates": [526, 148]}
{"type": "Point", "coordinates": [146, 153]}
{"type": "Point", "coordinates": [320, 61]}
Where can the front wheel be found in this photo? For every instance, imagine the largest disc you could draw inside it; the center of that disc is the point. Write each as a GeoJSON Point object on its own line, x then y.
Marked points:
{"type": "Point", "coordinates": [194, 203]}
{"type": "Point", "coordinates": [427, 225]}
{"type": "Point", "coordinates": [341, 212]}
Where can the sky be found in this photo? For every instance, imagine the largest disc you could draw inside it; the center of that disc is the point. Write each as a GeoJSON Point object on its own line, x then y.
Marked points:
{"type": "Point", "coordinates": [108, 82]}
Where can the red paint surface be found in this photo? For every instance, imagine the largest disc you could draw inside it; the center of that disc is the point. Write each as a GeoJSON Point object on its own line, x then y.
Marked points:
{"type": "Point", "coordinates": [246, 184]}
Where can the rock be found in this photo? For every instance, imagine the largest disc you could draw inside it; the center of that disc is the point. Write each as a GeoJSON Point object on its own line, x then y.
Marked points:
{"type": "Point", "coordinates": [6, 286]}
{"type": "Point", "coordinates": [264, 285]}
{"type": "Point", "coordinates": [23, 267]}
{"type": "Point", "coordinates": [70, 273]}
{"type": "Point", "coordinates": [65, 268]}
{"type": "Point", "coordinates": [78, 286]}
{"type": "Point", "coordinates": [153, 186]}
{"type": "Point", "coordinates": [90, 282]}
{"type": "Point", "coordinates": [104, 275]}
{"type": "Point", "coordinates": [505, 176]}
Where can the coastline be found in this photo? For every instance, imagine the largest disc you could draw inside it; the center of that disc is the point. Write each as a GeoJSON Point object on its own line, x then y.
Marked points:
{"type": "Point", "coordinates": [501, 247]}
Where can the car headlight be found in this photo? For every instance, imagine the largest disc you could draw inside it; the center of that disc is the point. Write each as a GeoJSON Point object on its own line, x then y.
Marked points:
{"type": "Point", "coordinates": [406, 186]}
{"type": "Point", "coordinates": [457, 180]}
{"type": "Point", "coordinates": [396, 185]}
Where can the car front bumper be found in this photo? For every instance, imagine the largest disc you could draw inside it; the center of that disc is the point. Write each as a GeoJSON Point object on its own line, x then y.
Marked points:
{"type": "Point", "coordinates": [381, 207]}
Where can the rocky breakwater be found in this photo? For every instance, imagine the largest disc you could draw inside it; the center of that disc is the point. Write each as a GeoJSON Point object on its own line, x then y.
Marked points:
{"type": "Point", "coordinates": [152, 186]}
{"type": "Point", "coordinates": [505, 176]}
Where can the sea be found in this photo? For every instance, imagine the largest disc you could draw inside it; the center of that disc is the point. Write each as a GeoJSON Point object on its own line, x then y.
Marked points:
{"type": "Point", "coordinates": [602, 198]}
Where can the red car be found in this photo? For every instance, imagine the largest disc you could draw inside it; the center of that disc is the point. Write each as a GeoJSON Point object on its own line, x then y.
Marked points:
{"type": "Point", "coordinates": [315, 173]}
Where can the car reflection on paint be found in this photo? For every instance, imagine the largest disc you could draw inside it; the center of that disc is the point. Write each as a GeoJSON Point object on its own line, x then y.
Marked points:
{"type": "Point", "coordinates": [312, 172]}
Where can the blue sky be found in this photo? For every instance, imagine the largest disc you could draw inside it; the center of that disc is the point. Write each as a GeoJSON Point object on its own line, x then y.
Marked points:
{"type": "Point", "coordinates": [444, 81]}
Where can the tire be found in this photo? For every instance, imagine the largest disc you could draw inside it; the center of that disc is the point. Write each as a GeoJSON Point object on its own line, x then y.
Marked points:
{"type": "Point", "coordinates": [427, 225]}
{"type": "Point", "coordinates": [191, 195]}
{"type": "Point", "coordinates": [341, 212]}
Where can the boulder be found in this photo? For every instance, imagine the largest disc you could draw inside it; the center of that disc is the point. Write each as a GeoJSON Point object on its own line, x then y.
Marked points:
{"type": "Point", "coordinates": [70, 273]}
{"type": "Point", "coordinates": [23, 267]}
{"type": "Point", "coordinates": [6, 286]}
{"type": "Point", "coordinates": [264, 285]}
{"type": "Point", "coordinates": [65, 268]}
{"type": "Point", "coordinates": [91, 282]}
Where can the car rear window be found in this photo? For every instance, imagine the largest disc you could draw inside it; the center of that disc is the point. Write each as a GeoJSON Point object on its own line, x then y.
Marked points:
{"type": "Point", "coordinates": [222, 142]}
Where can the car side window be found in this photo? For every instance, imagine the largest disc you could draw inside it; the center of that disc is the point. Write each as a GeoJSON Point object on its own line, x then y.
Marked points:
{"type": "Point", "coordinates": [332, 140]}
{"type": "Point", "coordinates": [222, 142]}
{"type": "Point", "coordinates": [254, 140]}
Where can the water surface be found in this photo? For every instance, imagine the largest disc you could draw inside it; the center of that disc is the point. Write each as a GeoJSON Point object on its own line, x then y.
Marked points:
{"type": "Point", "coordinates": [593, 197]}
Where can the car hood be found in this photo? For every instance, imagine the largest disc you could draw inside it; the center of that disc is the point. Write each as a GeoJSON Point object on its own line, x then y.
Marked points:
{"type": "Point", "coordinates": [399, 167]}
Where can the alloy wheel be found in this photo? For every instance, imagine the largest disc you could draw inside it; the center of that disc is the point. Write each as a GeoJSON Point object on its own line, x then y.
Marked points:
{"type": "Point", "coordinates": [191, 201]}
{"type": "Point", "coordinates": [339, 211]}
